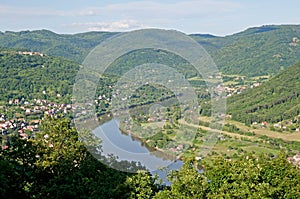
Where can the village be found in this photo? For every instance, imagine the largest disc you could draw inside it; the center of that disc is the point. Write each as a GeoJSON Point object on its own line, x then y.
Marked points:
{"type": "Point", "coordinates": [23, 117]}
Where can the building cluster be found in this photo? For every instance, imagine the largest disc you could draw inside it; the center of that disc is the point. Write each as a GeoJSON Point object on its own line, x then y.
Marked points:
{"type": "Point", "coordinates": [292, 125]}
{"type": "Point", "coordinates": [231, 90]}
{"type": "Point", "coordinates": [294, 42]}
{"type": "Point", "coordinates": [25, 128]}
{"type": "Point", "coordinates": [31, 53]}
{"type": "Point", "coordinates": [295, 160]}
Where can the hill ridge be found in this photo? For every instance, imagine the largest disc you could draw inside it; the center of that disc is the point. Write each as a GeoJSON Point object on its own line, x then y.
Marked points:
{"type": "Point", "coordinates": [256, 51]}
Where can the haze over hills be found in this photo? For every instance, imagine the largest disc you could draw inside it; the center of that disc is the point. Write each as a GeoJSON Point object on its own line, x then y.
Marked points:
{"type": "Point", "coordinates": [253, 52]}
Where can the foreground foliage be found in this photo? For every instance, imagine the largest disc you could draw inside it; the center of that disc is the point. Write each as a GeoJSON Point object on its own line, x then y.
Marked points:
{"type": "Point", "coordinates": [245, 177]}
{"type": "Point", "coordinates": [55, 164]}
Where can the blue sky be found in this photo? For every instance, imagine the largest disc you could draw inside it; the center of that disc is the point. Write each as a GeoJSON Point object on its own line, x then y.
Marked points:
{"type": "Point", "coordinates": [217, 17]}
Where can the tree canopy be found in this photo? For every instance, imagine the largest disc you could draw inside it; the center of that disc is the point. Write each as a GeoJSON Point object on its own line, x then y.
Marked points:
{"type": "Point", "coordinates": [55, 164]}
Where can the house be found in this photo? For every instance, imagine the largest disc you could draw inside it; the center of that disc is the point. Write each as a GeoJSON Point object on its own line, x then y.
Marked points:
{"type": "Point", "coordinates": [221, 138]}
{"type": "Point", "coordinates": [180, 147]}
{"type": "Point", "coordinates": [16, 101]}
{"type": "Point", "coordinates": [277, 125]}
{"type": "Point", "coordinates": [2, 118]}
{"type": "Point", "coordinates": [284, 127]}
{"type": "Point", "coordinates": [264, 123]}
{"type": "Point", "coordinates": [30, 128]}
{"type": "Point", "coordinates": [295, 160]}
{"type": "Point", "coordinates": [35, 122]}
{"type": "Point", "coordinates": [198, 158]}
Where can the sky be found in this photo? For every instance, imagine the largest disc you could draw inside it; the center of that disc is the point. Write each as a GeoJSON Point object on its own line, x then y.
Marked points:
{"type": "Point", "coordinates": [217, 17]}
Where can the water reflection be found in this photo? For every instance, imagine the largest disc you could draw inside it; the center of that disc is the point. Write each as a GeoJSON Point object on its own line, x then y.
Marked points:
{"type": "Point", "coordinates": [129, 148]}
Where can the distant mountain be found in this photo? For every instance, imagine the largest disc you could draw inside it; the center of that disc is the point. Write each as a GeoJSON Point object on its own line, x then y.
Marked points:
{"type": "Point", "coordinates": [74, 47]}
{"type": "Point", "coordinates": [253, 52]}
{"type": "Point", "coordinates": [273, 101]}
{"type": "Point", "coordinates": [259, 51]}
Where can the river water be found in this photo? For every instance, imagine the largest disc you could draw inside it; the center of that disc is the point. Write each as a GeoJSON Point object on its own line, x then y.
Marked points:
{"type": "Point", "coordinates": [129, 148]}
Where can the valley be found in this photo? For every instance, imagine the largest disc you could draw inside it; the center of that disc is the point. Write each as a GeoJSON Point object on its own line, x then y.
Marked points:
{"type": "Point", "coordinates": [149, 99]}
{"type": "Point", "coordinates": [262, 106]}
{"type": "Point", "coordinates": [235, 138]}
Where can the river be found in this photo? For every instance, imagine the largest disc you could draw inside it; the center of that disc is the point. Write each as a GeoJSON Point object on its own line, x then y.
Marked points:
{"type": "Point", "coordinates": [130, 148]}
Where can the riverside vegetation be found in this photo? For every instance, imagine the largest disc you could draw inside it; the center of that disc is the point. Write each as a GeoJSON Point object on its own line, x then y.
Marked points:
{"type": "Point", "coordinates": [250, 160]}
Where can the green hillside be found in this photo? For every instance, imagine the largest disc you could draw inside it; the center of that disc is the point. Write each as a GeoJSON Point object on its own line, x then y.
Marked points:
{"type": "Point", "coordinates": [27, 77]}
{"type": "Point", "coordinates": [35, 76]}
{"type": "Point", "coordinates": [273, 101]}
{"type": "Point", "coordinates": [74, 47]}
{"type": "Point", "coordinates": [259, 51]}
{"type": "Point", "coordinates": [253, 52]}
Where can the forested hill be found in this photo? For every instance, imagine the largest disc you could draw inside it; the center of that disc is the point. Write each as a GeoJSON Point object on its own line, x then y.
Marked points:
{"type": "Point", "coordinates": [74, 47]}
{"type": "Point", "coordinates": [32, 75]}
{"type": "Point", "coordinates": [256, 51]}
{"type": "Point", "coordinates": [253, 52]}
{"type": "Point", "coordinates": [273, 101]}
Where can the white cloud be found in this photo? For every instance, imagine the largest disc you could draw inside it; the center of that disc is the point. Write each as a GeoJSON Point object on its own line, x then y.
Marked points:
{"type": "Point", "coordinates": [174, 15]}
{"type": "Point", "coordinates": [160, 9]}
{"type": "Point", "coordinates": [181, 15]}
{"type": "Point", "coordinates": [112, 26]}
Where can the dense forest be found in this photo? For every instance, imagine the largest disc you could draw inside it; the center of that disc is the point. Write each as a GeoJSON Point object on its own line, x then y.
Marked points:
{"type": "Point", "coordinates": [276, 100]}
{"type": "Point", "coordinates": [35, 76]}
{"type": "Point", "coordinates": [253, 52]}
{"type": "Point", "coordinates": [258, 51]}
{"type": "Point", "coordinates": [74, 47]}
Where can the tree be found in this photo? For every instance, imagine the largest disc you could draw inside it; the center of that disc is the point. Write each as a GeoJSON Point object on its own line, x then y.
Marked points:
{"type": "Point", "coordinates": [186, 183]}
{"type": "Point", "coordinates": [253, 177]}
{"type": "Point", "coordinates": [248, 176]}
{"type": "Point", "coordinates": [56, 164]}
{"type": "Point", "coordinates": [141, 186]}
